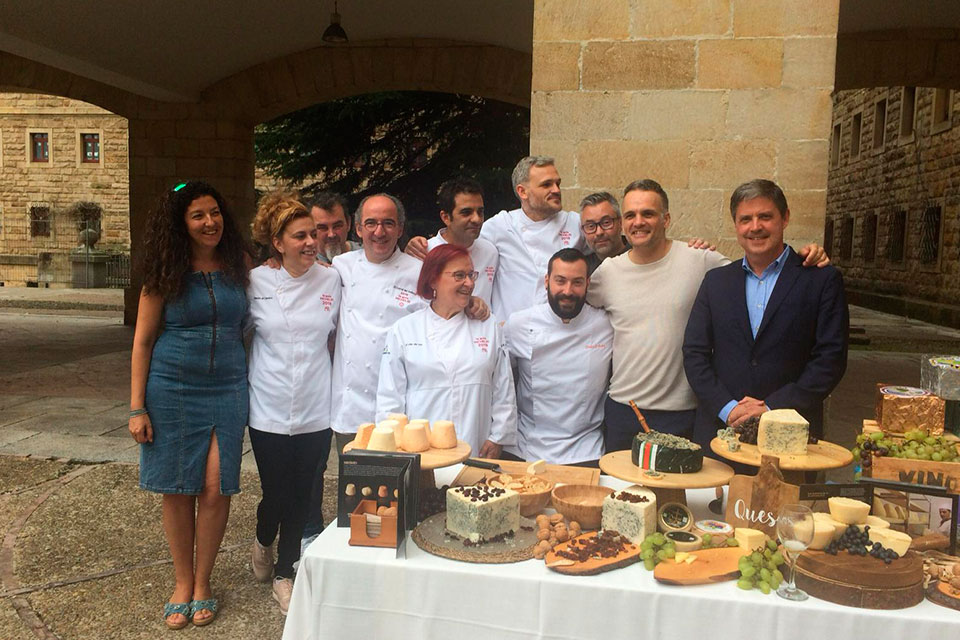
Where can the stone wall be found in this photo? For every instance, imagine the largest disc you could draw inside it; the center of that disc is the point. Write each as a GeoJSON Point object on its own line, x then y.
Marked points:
{"type": "Point", "coordinates": [699, 94]}
{"type": "Point", "coordinates": [60, 182]}
{"type": "Point", "coordinates": [902, 173]}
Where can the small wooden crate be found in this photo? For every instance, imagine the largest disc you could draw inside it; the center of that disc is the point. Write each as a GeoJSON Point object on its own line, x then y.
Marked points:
{"type": "Point", "coordinates": [358, 526]}
{"type": "Point", "coordinates": [938, 474]}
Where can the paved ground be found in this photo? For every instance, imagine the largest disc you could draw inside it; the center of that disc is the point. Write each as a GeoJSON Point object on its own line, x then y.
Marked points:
{"type": "Point", "coordinates": [82, 554]}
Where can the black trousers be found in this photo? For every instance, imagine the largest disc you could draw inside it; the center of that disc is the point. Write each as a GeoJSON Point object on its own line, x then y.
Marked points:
{"type": "Point", "coordinates": [622, 424]}
{"type": "Point", "coordinates": [288, 467]}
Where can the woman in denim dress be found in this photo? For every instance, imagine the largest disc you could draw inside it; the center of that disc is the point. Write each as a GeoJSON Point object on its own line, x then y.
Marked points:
{"type": "Point", "coordinates": [188, 401]}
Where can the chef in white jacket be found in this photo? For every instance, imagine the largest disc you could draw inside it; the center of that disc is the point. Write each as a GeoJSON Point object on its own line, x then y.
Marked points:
{"type": "Point", "coordinates": [292, 311]}
{"type": "Point", "coordinates": [563, 351]}
{"type": "Point", "coordinates": [528, 236]}
{"type": "Point", "coordinates": [438, 364]}
{"type": "Point", "coordinates": [379, 288]}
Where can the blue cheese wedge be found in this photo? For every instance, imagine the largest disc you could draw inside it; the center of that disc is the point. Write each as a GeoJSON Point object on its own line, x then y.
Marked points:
{"type": "Point", "coordinates": [480, 512]}
{"type": "Point", "coordinates": [632, 513]}
{"type": "Point", "coordinates": [783, 431]}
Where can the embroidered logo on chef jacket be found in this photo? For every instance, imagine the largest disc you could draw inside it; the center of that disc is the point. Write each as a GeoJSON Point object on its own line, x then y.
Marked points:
{"type": "Point", "coordinates": [565, 236]}
{"type": "Point", "coordinates": [490, 271]}
{"type": "Point", "coordinates": [327, 301]}
{"type": "Point", "coordinates": [263, 297]}
{"type": "Point", "coordinates": [482, 342]}
{"type": "Point", "coordinates": [599, 345]}
{"type": "Point", "coordinates": [404, 296]}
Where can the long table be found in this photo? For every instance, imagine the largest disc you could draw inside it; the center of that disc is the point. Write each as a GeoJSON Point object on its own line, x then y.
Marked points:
{"type": "Point", "coordinates": [364, 592]}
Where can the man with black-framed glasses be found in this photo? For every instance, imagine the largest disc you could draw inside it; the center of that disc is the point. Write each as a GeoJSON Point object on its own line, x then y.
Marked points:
{"type": "Point", "coordinates": [602, 228]}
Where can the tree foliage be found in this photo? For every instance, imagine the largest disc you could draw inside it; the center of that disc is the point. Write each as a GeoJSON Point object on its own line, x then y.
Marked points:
{"type": "Point", "coordinates": [403, 143]}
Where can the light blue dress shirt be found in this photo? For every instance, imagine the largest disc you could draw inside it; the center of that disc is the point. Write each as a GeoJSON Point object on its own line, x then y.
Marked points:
{"type": "Point", "coordinates": [758, 289]}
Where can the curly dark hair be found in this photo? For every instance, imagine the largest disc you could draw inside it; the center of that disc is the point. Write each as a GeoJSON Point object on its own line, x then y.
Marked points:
{"type": "Point", "coordinates": [165, 256]}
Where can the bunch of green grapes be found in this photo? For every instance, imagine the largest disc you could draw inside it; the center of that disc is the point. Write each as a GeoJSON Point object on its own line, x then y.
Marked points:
{"type": "Point", "coordinates": [654, 548]}
{"type": "Point", "coordinates": [916, 445]}
{"type": "Point", "coordinates": [760, 569]}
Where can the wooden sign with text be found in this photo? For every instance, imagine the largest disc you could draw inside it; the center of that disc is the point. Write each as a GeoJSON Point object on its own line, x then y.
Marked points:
{"type": "Point", "coordinates": [755, 501]}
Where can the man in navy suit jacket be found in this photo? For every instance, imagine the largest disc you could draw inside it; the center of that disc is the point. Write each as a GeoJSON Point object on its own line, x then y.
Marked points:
{"type": "Point", "coordinates": [764, 333]}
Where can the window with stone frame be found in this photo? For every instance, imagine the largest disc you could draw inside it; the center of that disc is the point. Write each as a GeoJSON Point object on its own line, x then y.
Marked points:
{"type": "Point", "coordinates": [879, 123]}
{"type": "Point", "coordinates": [828, 236]}
{"type": "Point", "coordinates": [908, 111]}
{"type": "Point", "coordinates": [835, 146]}
{"type": "Point", "coordinates": [896, 236]}
{"type": "Point", "coordinates": [942, 110]}
{"type": "Point", "coordinates": [868, 234]}
{"type": "Point", "coordinates": [846, 239]}
{"type": "Point", "coordinates": [929, 250]}
{"type": "Point", "coordinates": [40, 221]}
{"type": "Point", "coordinates": [856, 134]}
{"type": "Point", "coordinates": [90, 148]}
{"type": "Point", "coordinates": [39, 146]}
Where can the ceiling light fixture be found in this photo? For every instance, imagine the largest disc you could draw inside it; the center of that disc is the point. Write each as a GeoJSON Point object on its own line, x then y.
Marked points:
{"type": "Point", "coordinates": [334, 33]}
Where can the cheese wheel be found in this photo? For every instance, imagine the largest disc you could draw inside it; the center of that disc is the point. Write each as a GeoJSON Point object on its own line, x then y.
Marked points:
{"type": "Point", "coordinates": [383, 438]}
{"type": "Point", "coordinates": [443, 435]}
{"type": "Point", "coordinates": [891, 539]}
{"type": "Point", "coordinates": [876, 522]}
{"type": "Point", "coordinates": [363, 435]}
{"type": "Point", "coordinates": [415, 438]}
{"type": "Point", "coordinates": [401, 420]}
{"type": "Point", "coordinates": [848, 510]}
{"type": "Point", "coordinates": [392, 425]}
{"type": "Point", "coordinates": [823, 532]}
{"type": "Point", "coordinates": [838, 527]}
{"type": "Point", "coordinates": [425, 423]}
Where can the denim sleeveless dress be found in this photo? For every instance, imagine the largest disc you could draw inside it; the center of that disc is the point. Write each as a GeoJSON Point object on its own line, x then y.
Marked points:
{"type": "Point", "coordinates": [197, 385]}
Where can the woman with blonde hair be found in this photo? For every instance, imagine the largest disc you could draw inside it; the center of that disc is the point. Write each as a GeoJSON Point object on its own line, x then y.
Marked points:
{"type": "Point", "coordinates": [188, 387]}
{"type": "Point", "coordinates": [293, 311]}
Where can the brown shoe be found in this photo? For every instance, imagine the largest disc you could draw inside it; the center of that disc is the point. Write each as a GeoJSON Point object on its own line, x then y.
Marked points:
{"type": "Point", "coordinates": [261, 561]}
{"type": "Point", "coordinates": [282, 591]}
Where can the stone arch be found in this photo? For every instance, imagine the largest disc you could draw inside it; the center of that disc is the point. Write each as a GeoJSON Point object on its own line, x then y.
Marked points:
{"type": "Point", "coordinates": [899, 57]}
{"type": "Point", "coordinates": [301, 79]}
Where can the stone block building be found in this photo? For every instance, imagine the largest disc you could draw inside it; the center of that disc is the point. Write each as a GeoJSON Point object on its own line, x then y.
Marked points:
{"type": "Point", "coordinates": [63, 168]}
{"type": "Point", "coordinates": [893, 199]}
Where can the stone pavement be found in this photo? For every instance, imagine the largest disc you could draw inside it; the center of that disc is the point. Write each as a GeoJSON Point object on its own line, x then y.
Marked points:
{"type": "Point", "coordinates": [82, 552]}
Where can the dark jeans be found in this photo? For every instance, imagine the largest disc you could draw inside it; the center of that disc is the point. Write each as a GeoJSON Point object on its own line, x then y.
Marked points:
{"type": "Point", "coordinates": [623, 425]}
{"type": "Point", "coordinates": [288, 467]}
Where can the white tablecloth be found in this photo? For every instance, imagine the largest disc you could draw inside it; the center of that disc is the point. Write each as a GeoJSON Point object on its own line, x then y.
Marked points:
{"type": "Point", "coordinates": [344, 592]}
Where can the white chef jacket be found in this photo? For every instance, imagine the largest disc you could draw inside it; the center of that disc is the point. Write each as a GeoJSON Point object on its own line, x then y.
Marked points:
{"type": "Point", "coordinates": [289, 370]}
{"type": "Point", "coordinates": [485, 258]}
{"type": "Point", "coordinates": [562, 375]}
{"type": "Point", "coordinates": [375, 296]}
{"type": "Point", "coordinates": [525, 248]}
{"type": "Point", "coordinates": [456, 369]}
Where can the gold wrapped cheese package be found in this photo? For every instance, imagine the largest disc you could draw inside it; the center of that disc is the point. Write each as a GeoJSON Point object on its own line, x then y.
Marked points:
{"type": "Point", "coordinates": [901, 409]}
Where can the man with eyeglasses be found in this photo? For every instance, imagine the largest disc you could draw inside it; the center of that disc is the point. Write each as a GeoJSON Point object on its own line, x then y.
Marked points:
{"type": "Point", "coordinates": [461, 210]}
{"type": "Point", "coordinates": [329, 213]}
{"type": "Point", "coordinates": [601, 227]}
{"type": "Point", "coordinates": [379, 287]}
{"type": "Point", "coordinates": [562, 351]}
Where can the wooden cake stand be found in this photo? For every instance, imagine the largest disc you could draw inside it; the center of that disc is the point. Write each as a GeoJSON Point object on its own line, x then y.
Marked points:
{"type": "Point", "coordinates": [669, 487]}
{"type": "Point", "coordinates": [434, 459]}
{"type": "Point", "coordinates": [821, 456]}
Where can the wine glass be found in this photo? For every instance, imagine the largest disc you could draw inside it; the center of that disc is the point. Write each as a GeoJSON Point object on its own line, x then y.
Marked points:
{"type": "Point", "coordinates": [795, 529]}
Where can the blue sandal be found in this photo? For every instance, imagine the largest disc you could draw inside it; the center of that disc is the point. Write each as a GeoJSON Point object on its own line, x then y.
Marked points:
{"type": "Point", "coordinates": [170, 608]}
{"type": "Point", "coordinates": [196, 606]}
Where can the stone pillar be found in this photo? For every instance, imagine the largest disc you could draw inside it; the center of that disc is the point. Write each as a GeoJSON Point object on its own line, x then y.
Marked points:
{"type": "Point", "coordinates": [700, 95]}
{"type": "Point", "coordinates": [175, 143]}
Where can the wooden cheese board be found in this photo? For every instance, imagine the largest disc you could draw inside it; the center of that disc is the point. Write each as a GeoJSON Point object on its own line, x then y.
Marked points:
{"type": "Point", "coordinates": [554, 473]}
{"type": "Point", "coordinates": [431, 536]}
{"type": "Point", "coordinates": [591, 566]}
{"type": "Point", "coordinates": [938, 592]}
{"type": "Point", "coordinates": [756, 501]}
{"type": "Point", "coordinates": [862, 581]}
{"type": "Point", "coordinates": [669, 487]}
{"type": "Point", "coordinates": [435, 458]}
{"type": "Point", "coordinates": [712, 565]}
{"type": "Point", "coordinates": [820, 456]}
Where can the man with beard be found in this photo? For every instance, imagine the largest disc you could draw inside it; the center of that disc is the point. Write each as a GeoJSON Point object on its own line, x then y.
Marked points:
{"type": "Point", "coordinates": [461, 210]}
{"type": "Point", "coordinates": [764, 333]}
{"type": "Point", "coordinates": [329, 213]}
{"type": "Point", "coordinates": [562, 350]}
{"type": "Point", "coordinates": [602, 228]}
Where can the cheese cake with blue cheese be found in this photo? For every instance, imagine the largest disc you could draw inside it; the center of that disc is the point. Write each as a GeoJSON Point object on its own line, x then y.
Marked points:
{"type": "Point", "coordinates": [480, 513]}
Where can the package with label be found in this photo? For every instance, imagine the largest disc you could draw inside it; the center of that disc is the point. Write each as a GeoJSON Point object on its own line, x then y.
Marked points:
{"type": "Point", "coordinates": [901, 409]}
{"type": "Point", "coordinates": [940, 375]}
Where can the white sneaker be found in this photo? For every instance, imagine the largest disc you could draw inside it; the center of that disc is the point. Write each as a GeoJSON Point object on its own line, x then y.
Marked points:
{"type": "Point", "coordinates": [261, 561]}
{"type": "Point", "coordinates": [282, 591]}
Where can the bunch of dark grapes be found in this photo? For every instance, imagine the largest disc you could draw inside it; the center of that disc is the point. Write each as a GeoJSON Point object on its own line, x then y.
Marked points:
{"type": "Point", "coordinates": [856, 542]}
{"type": "Point", "coordinates": [747, 430]}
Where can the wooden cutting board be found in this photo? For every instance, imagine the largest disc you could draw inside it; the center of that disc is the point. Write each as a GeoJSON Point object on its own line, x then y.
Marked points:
{"type": "Point", "coordinates": [755, 501]}
{"type": "Point", "coordinates": [434, 458]}
{"type": "Point", "coordinates": [592, 566]}
{"type": "Point", "coordinates": [939, 593]}
{"type": "Point", "coordinates": [862, 581]}
{"type": "Point", "coordinates": [711, 565]}
{"type": "Point", "coordinates": [554, 473]}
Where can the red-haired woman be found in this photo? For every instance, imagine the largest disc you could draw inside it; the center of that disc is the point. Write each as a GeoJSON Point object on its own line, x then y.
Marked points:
{"type": "Point", "coordinates": [438, 364]}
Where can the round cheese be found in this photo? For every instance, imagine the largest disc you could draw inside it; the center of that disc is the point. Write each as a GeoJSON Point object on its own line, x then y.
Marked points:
{"type": "Point", "coordinates": [415, 438]}
{"type": "Point", "coordinates": [383, 438]}
{"type": "Point", "coordinates": [876, 522]}
{"type": "Point", "coordinates": [838, 527]}
{"type": "Point", "coordinates": [443, 435]}
{"type": "Point", "coordinates": [891, 539]}
{"type": "Point", "coordinates": [823, 532]}
{"type": "Point", "coordinates": [848, 510]}
{"type": "Point", "coordinates": [392, 425]}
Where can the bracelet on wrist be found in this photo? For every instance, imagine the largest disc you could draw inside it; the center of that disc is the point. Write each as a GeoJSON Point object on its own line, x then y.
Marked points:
{"type": "Point", "coordinates": [138, 412]}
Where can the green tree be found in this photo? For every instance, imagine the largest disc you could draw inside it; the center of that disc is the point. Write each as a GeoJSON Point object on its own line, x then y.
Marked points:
{"type": "Point", "coordinates": [403, 143]}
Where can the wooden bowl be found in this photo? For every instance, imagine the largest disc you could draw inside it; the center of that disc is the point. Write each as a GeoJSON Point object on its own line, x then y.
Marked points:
{"type": "Point", "coordinates": [581, 502]}
{"type": "Point", "coordinates": [531, 502]}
